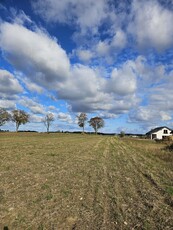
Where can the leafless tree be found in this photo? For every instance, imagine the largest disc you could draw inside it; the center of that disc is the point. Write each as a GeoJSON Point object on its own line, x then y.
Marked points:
{"type": "Point", "coordinates": [48, 120]}
{"type": "Point", "coordinates": [19, 117]}
{"type": "Point", "coordinates": [82, 118]}
{"type": "Point", "coordinates": [96, 123]}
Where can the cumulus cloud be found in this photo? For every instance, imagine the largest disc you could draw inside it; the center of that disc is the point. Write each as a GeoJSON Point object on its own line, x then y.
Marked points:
{"type": "Point", "coordinates": [162, 97]}
{"type": "Point", "coordinates": [35, 53]}
{"type": "Point", "coordinates": [149, 115]}
{"type": "Point", "coordinates": [87, 91]}
{"type": "Point", "coordinates": [112, 79]}
{"type": "Point", "coordinates": [33, 106]}
{"type": "Point", "coordinates": [35, 118]}
{"type": "Point", "coordinates": [87, 15]}
{"type": "Point", "coordinates": [158, 102]}
{"type": "Point", "coordinates": [52, 108]}
{"type": "Point", "coordinates": [65, 117]}
{"type": "Point", "coordinates": [84, 87]}
{"type": "Point", "coordinates": [83, 82]}
{"type": "Point", "coordinates": [102, 48]}
{"type": "Point", "coordinates": [119, 40]}
{"type": "Point", "coordinates": [149, 22]}
{"type": "Point", "coordinates": [8, 104]}
{"type": "Point", "coordinates": [84, 55]}
{"type": "Point", "coordinates": [33, 87]}
{"type": "Point", "coordinates": [122, 81]}
{"type": "Point", "coordinates": [110, 47]}
{"type": "Point", "coordinates": [151, 25]}
{"type": "Point", "coordinates": [106, 115]}
{"type": "Point", "coordinates": [9, 85]}
{"type": "Point", "coordinates": [148, 76]}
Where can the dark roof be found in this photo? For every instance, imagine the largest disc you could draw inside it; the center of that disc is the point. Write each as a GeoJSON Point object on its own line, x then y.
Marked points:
{"type": "Point", "coordinates": [157, 129]}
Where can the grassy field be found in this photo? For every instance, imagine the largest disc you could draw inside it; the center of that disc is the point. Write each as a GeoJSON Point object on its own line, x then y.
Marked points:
{"type": "Point", "coordinates": [65, 181]}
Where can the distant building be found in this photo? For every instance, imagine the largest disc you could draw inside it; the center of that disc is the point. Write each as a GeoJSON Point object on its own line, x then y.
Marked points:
{"type": "Point", "coordinates": [159, 133]}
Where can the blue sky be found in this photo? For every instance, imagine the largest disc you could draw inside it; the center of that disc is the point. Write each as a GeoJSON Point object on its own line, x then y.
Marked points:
{"type": "Point", "coordinates": [106, 58]}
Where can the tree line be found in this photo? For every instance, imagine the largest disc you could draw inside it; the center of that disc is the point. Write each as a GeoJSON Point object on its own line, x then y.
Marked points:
{"type": "Point", "coordinates": [20, 117]}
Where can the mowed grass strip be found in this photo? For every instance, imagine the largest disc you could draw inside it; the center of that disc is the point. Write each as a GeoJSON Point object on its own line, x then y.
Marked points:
{"type": "Point", "coordinates": [73, 181]}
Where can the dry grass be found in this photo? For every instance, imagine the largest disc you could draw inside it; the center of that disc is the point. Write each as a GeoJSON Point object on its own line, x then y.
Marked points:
{"type": "Point", "coordinates": [64, 181]}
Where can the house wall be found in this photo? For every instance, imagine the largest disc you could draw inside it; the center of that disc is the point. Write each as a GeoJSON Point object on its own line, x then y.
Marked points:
{"type": "Point", "coordinates": [160, 133]}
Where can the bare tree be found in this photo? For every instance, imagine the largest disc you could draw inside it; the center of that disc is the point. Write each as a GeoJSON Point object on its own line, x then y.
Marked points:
{"type": "Point", "coordinates": [82, 118]}
{"type": "Point", "coordinates": [96, 123]}
{"type": "Point", "coordinates": [19, 117]}
{"type": "Point", "coordinates": [48, 120]}
{"type": "Point", "coordinates": [4, 116]}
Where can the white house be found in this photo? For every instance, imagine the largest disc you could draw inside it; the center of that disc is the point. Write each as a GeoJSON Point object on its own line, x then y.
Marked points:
{"type": "Point", "coordinates": [159, 133]}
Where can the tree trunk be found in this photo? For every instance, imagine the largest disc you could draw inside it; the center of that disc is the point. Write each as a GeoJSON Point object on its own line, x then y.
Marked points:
{"type": "Point", "coordinates": [17, 126]}
{"type": "Point", "coordinates": [96, 129]}
{"type": "Point", "coordinates": [48, 128]}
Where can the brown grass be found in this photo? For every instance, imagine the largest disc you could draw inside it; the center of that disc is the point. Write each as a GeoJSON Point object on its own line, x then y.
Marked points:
{"type": "Point", "coordinates": [65, 181]}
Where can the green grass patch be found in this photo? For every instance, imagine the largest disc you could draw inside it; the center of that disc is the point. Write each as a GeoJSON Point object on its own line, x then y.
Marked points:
{"type": "Point", "coordinates": [169, 190]}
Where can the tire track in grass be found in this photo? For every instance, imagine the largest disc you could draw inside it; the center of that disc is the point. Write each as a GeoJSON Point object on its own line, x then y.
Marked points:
{"type": "Point", "coordinates": [96, 211]}
{"type": "Point", "coordinates": [92, 207]}
{"type": "Point", "coordinates": [88, 210]}
{"type": "Point", "coordinates": [149, 177]}
{"type": "Point", "coordinates": [106, 196]}
{"type": "Point", "coordinates": [148, 200]}
{"type": "Point", "coordinates": [105, 222]}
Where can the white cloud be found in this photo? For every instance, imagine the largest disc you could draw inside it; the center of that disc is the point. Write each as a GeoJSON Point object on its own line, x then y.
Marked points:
{"type": "Point", "coordinates": [52, 108]}
{"type": "Point", "coordinates": [122, 81]}
{"type": "Point", "coordinates": [33, 87]}
{"type": "Point", "coordinates": [102, 48]}
{"type": "Point", "coordinates": [106, 115]}
{"type": "Point", "coordinates": [124, 104]}
{"type": "Point", "coordinates": [49, 67]}
{"type": "Point", "coordinates": [35, 118]}
{"type": "Point", "coordinates": [84, 87]}
{"type": "Point", "coordinates": [87, 15]}
{"type": "Point", "coordinates": [33, 106]}
{"type": "Point", "coordinates": [151, 25]}
{"type": "Point", "coordinates": [149, 76]}
{"type": "Point", "coordinates": [162, 97]}
{"type": "Point", "coordinates": [84, 55]}
{"type": "Point", "coordinates": [165, 116]}
{"type": "Point", "coordinates": [109, 48]}
{"type": "Point", "coordinates": [20, 17]}
{"type": "Point", "coordinates": [82, 83]}
{"type": "Point", "coordinates": [34, 52]}
{"type": "Point", "coordinates": [149, 114]}
{"type": "Point", "coordinates": [65, 117]}
{"type": "Point", "coordinates": [8, 104]}
{"type": "Point", "coordinates": [9, 85]}
{"type": "Point", "coordinates": [119, 40]}
{"type": "Point", "coordinates": [157, 101]}
{"type": "Point", "coordinates": [149, 22]}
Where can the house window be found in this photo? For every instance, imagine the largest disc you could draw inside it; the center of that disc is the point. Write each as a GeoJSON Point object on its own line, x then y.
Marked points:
{"type": "Point", "coordinates": [165, 131]}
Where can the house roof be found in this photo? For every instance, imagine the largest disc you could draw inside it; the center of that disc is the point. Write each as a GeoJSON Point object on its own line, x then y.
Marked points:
{"type": "Point", "coordinates": [158, 129]}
